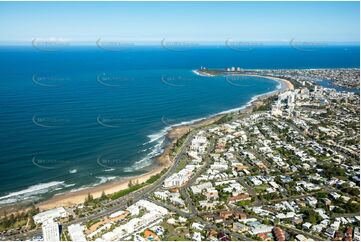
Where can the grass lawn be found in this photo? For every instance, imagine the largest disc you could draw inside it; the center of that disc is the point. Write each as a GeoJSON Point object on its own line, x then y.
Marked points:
{"type": "Point", "coordinates": [126, 191]}
{"type": "Point", "coordinates": [174, 234]}
{"type": "Point", "coordinates": [177, 238]}
{"type": "Point", "coordinates": [261, 188]}
{"type": "Point", "coordinates": [182, 163]}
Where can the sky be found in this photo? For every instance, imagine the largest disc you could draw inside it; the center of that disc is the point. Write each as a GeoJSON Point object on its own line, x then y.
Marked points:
{"type": "Point", "coordinates": [180, 21]}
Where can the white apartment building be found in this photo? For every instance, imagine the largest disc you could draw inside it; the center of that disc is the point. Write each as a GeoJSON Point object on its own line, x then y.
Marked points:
{"type": "Point", "coordinates": [76, 232]}
{"type": "Point", "coordinates": [50, 231]}
{"type": "Point", "coordinates": [180, 178]}
{"type": "Point", "coordinates": [50, 215]}
{"type": "Point", "coordinates": [154, 214]}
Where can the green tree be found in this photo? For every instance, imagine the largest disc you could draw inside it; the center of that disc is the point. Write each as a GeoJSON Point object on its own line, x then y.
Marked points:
{"type": "Point", "coordinates": [31, 224]}
{"type": "Point", "coordinates": [88, 199]}
{"type": "Point", "coordinates": [103, 196]}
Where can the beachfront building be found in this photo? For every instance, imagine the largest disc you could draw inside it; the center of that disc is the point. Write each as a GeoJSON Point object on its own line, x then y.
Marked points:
{"type": "Point", "coordinates": [50, 215]}
{"type": "Point", "coordinates": [50, 230]}
{"type": "Point", "coordinates": [199, 143]}
{"type": "Point", "coordinates": [153, 215]}
{"type": "Point", "coordinates": [76, 232]}
{"type": "Point", "coordinates": [180, 178]}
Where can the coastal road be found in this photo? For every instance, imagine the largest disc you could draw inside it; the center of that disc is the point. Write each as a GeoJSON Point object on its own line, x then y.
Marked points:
{"type": "Point", "coordinates": [184, 190]}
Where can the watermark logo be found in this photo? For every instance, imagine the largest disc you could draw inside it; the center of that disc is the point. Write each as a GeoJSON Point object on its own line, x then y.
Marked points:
{"type": "Point", "coordinates": [110, 161]}
{"type": "Point", "coordinates": [50, 44]}
{"type": "Point", "coordinates": [113, 122]}
{"type": "Point", "coordinates": [178, 81]}
{"type": "Point", "coordinates": [113, 79]}
{"type": "Point", "coordinates": [172, 81]}
{"type": "Point", "coordinates": [114, 45]}
{"type": "Point", "coordinates": [306, 46]}
{"type": "Point", "coordinates": [170, 121]}
{"type": "Point", "coordinates": [49, 122]}
{"type": "Point", "coordinates": [48, 81]}
{"type": "Point", "coordinates": [241, 46]}
{"type": "Point", "coordinates": [237, 81]}
{"type": "Point", "coordinates": [46, 162]}
{"type": "Point", "coordinates": [178, 46]}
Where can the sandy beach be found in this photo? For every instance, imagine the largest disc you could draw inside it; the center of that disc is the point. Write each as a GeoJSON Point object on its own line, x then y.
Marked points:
{"type": "Point", "coordinates": [70, 199]}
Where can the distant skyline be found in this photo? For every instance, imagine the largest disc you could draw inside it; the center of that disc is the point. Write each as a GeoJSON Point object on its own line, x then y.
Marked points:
{"type": "Point", "coordinates": [209, 22]}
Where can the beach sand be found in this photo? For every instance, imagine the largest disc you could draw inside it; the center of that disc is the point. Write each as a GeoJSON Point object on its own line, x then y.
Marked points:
{"type": "Point", "coordinates": [70, 199]}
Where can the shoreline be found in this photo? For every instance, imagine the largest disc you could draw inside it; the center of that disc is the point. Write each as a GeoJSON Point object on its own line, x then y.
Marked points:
{"type": "Point", "coordinates": [71, 199]}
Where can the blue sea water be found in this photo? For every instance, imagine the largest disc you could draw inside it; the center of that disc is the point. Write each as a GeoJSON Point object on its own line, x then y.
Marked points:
{"type": "Point", "coordinates": [81, 116]}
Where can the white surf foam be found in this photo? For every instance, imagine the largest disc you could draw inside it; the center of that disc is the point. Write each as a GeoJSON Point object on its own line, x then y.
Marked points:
{"type": "Point", "coordinates": [73, 171]}
{"type": "Point", "coordinates": [202, 74]}
{"type": "Point", "coordinates": [69, 185]}
{"type": "Point", "coordinates": [111, 169]}
{"type": "Point", "coordinates": [78, 189]}
{"type": "Point", "coordinates": [8, 201]}
{"type": "Point", "coordinates": [101, 180]}
{"type": "Point", "coordinates": [104, 179]}
{"type": "Point", "coordinates": [32, 191]}
{"type": "Point", "coordinates": [157, 136]}
{"type": "Point", "coordinates": [156, 150]}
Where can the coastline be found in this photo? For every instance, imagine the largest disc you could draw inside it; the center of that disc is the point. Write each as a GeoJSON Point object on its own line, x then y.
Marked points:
{"type": "Point", "coordinates": [70, 199]}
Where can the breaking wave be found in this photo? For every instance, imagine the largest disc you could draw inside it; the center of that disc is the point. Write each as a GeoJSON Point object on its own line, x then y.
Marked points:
{"type": "Point", "coordinates": [32, 192]}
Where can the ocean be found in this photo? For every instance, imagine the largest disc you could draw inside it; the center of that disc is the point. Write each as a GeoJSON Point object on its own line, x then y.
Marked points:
{"type": "Point", "coordinates": [75, 117]}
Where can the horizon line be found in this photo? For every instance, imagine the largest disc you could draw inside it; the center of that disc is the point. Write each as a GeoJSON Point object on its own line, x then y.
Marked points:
{"type": "Point", "coordinates": [172, 43]}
